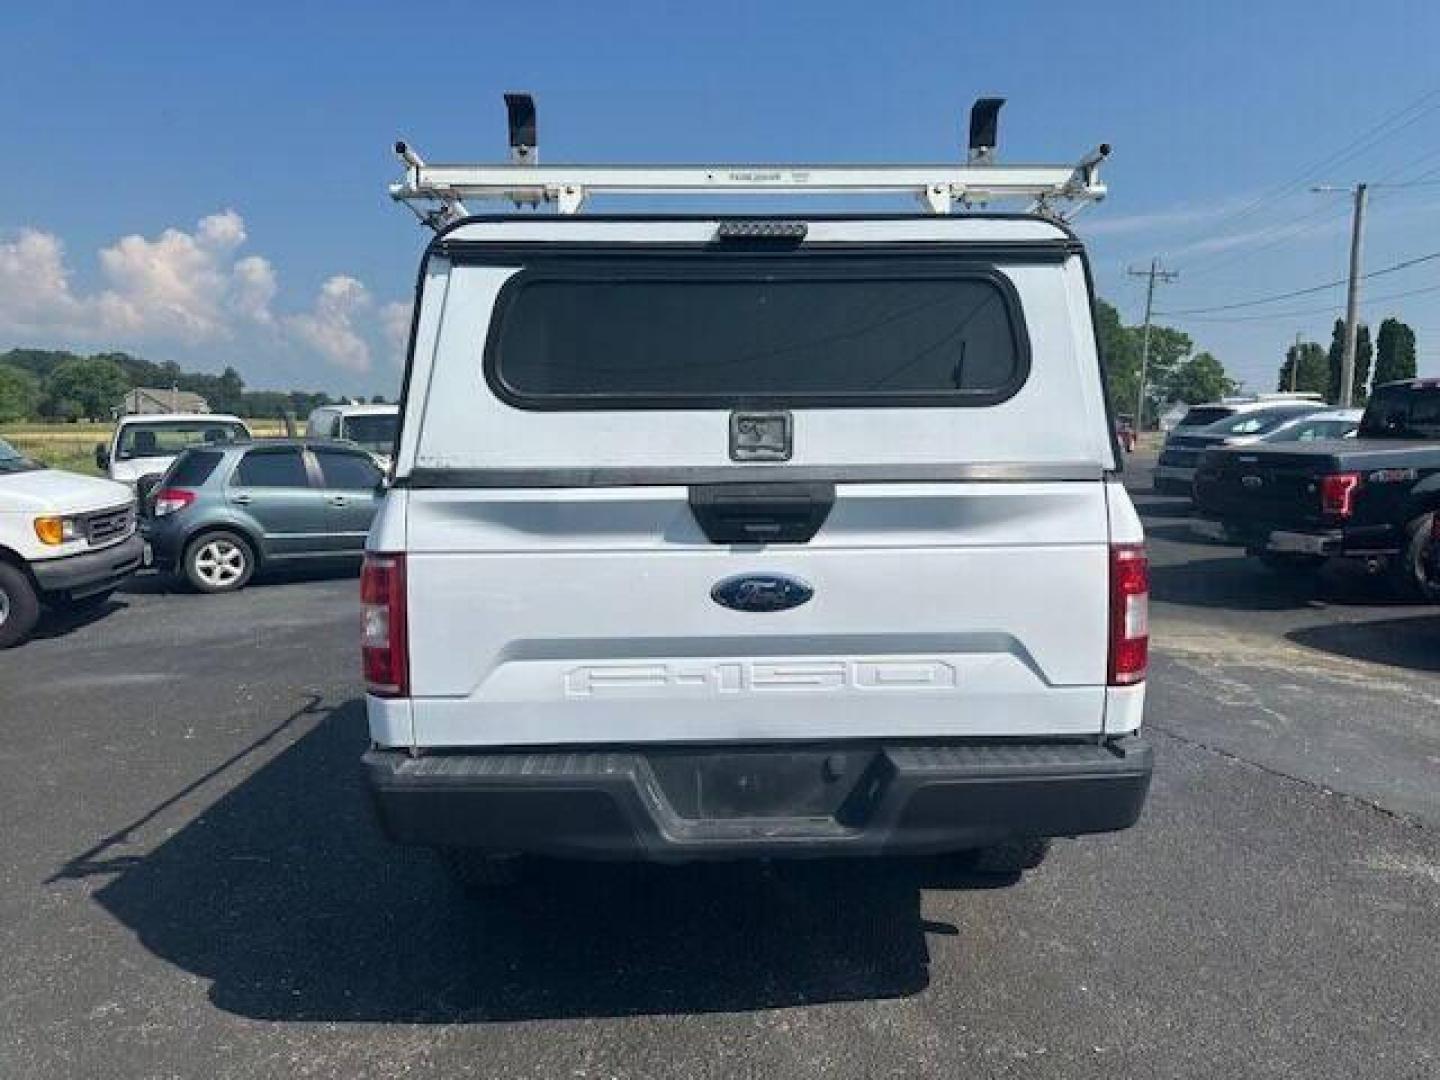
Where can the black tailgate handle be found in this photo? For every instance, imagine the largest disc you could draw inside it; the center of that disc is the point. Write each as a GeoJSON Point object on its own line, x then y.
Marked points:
{"type": "Point", "coordinates": [767, 513]}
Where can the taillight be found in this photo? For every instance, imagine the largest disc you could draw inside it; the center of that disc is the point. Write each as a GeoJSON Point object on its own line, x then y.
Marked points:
{"type": "Point", "coordinates": [169, 500]}
{"type": "Point", "coordinates": [1337, 494]}
{"type": "Point", "coordinates": [1129, 614]}
{"type": "Point", "coordinates": [384, 642]}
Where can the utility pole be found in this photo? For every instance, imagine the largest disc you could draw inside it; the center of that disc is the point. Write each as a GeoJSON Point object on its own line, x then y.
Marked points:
{"type": "Point", "coordinates": [1295, 362]}
{"type": "Point", "coordinates": [1352, 296]}
{"type": "Point", "coordinates": [1154, 274]}
{"type": "Point", "coordinates": [1352, 299]}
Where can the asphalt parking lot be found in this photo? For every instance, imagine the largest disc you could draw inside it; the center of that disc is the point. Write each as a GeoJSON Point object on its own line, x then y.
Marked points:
{"type": "Point", "coordinates": [192, 885]}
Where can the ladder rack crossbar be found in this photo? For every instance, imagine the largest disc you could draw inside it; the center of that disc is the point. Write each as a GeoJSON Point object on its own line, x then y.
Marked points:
{"type": "Point", "coordinates": [938, 186]}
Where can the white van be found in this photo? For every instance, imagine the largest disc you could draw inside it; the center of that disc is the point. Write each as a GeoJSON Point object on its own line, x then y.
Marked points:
{"type": "Point", "coordinates": [146, 444]}
{"type": "Point", "coordinates": [371, 427]}
{"type": "Point", "coordinates": [717, 537]}
{"type": "Point", "coordinates": [66, 540]}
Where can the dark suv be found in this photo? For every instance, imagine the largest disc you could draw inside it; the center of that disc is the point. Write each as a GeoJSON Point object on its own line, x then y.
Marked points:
{"type": "Point", "coordinates": [220, 513]}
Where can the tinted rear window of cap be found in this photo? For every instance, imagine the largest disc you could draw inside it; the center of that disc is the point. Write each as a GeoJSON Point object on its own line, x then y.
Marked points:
{"type": "Point", "coordinates": [748, 333]}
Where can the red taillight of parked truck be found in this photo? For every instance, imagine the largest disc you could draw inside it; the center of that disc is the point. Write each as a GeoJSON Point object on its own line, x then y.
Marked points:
{"type": "Point", "coordinates": [1129, 614]}
{"type": "Point", "coordinates": [384, 641]}
{"type": "Point", "coordinates": [1337, 494]}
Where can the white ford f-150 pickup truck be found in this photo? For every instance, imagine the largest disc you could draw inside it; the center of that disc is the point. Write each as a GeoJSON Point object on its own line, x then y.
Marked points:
{"type": "Point", "coordinates": [723, 537]}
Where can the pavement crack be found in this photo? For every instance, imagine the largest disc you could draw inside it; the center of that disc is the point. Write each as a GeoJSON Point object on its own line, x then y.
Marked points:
{"type": "Point", "coordinates": [1270, 770]}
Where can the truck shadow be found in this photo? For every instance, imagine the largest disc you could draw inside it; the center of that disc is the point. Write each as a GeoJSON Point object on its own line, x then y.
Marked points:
{"type": "Point", "coordinates": [1237, 583]}
{"type": "Point", "coordinates": [284, 894]}
{"type": "Point", "coordinates": [59, 622]}
{"type": "Point", "coordinates": [1412, 643]}
{"type": "Point", "coordinates": [1160, 506]}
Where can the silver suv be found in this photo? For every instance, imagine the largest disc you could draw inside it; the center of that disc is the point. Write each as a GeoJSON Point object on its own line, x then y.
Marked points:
{"type": "Point", "coordinates": [218, 515]}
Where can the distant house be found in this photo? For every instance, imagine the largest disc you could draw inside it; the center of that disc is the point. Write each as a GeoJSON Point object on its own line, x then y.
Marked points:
{"type": "Point", "coordinates": [146, 399]}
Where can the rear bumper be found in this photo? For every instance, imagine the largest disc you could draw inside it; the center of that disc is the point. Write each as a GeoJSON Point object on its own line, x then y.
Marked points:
{"type": "Point", "coordinates": [1174, 478]}
{"type": "Point", "coordinates": [678, 804]}
{"type": "Point", "coordinates": [1261, 536]}
{"type": "Point", "coordinates": [164, 539]}
{"type": "Point", "coordinates": [92, 571]}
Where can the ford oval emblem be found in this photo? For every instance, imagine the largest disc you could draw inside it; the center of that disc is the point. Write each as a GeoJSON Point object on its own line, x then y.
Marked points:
{"type": "Point", "coordinates": [761, 592]}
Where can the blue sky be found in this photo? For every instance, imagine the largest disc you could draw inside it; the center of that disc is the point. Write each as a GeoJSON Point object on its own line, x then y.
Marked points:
{"type": "Point", "coordinates": [205, 183]}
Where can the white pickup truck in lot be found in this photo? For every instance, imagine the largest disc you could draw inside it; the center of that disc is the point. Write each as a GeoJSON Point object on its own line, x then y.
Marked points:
{"type": "Point", "coordinates": [722, 537]}
{"type": "Point", "coordinates": [144, 445]}
{"type": "Point", "coordinates": [66, 540]}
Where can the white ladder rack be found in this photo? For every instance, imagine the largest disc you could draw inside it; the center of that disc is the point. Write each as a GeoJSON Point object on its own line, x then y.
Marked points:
{"type": "Point", "coordinates": [438, 193]}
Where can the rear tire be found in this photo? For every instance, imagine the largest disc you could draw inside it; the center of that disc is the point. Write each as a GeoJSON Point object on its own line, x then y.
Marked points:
{"type": "Point", "coordinates": [1292, 563]}
{"type": "Point", "coordinates": [218, 562]}
{"type": "Point", "coordinates": [19, 606]}
{"type": "Point", "coordinates": [1416, 570]}
{"type": "Point", "coordinates": [1010, 858]}
{"type": "Point", "coordinates": [479, 874]}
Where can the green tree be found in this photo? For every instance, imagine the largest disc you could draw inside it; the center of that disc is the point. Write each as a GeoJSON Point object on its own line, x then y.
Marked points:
{"type": "Point", "coordinates": [1364, 354]}
{"type": "Point", "coordinates": [1364, 351]}
{"type": "Point", "coordinates": [1168, 349]}
{"type": "Point", "coordinates": [303, 402]}
{"type": "Point", "coordinates": [229, 392]}
{"type": "Point", "coordinates": [265, 404]}
{"type": "Point", "coordinates": [1197, 379]}
{"type": "Point", "coordinates": [1332, 361]}
{"type": "Point", "coordinates": [85, 388]}
{"type": "Point", "coordinates": [1120, 347]}
{"type": "Point", "coordinates": [1313, 375]}
{"type": "Point", "coordinates": [1120, 356]}
{"type": "Point", "coordinates": [1394, 352]}
{"type": "Point", "coordinates": [19, 393]}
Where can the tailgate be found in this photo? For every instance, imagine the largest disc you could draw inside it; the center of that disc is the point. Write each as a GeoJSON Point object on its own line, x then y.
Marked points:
{"type": "Point", "coordinates": [585, 616]}
{"type": "Point", "coordinates": [1270, 487]}
{"type": "Point", "coordinates": [581, 617]}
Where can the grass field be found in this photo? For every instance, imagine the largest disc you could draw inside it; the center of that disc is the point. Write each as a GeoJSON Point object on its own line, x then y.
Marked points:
{"type": "Point", "coordinates": [72, 446]}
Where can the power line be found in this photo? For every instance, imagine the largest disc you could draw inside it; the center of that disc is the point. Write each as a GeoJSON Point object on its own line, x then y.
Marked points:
{"type": "Point", "coordinates": [1288, 231]}
{"type": "Point", "coordinates": [1276, 316]}
{"type": "Point", "coordinates": [1285, 231]}
{"type": "Point", "coordinates": [1410, 165]}
{"type": "Point", "coordinates": [1346, 153]}
{"type": "Point", "coordinates": [1302, 292]}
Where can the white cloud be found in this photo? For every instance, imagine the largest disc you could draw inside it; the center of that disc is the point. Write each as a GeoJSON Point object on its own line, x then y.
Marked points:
{"type": "Point", "coordinates": [192, 292]}
{"type": "Point", "coordinates": [170, 287]}
{"type": "Point", "coordinates": [253, 288]}
{"type": "Point", "coordinates": [35, 296]}
{"type": "Point", "coordinates": [395, 325]}
{"type": "Point", "coordinates": [1267, 234]}
{"type": "Point", "coordinates": [223, 231]}
{"type": "Point", "coordinates": [1164, 221]}
{"type": "Point", "coordinates": [329, 328]}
